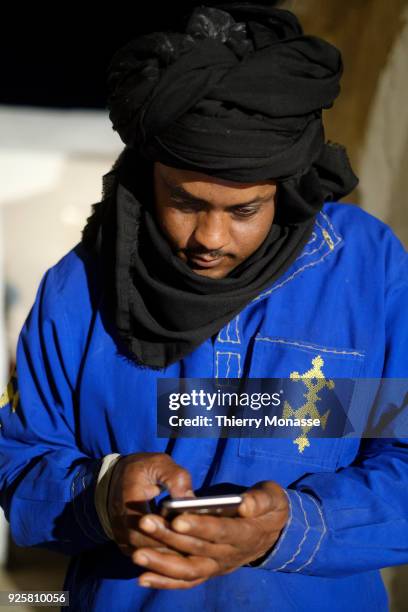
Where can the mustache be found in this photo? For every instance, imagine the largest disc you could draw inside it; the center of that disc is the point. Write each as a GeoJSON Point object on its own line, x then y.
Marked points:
{"type": "Point", "coordinates": [200, 252]}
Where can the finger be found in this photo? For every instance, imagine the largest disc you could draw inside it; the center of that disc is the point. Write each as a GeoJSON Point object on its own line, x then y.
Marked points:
{"type": "Point", "coordinates": [158, 528]}
{"type": "Point", "coordinates": [132, 539]}
{"type": "Point", "coordinates": [137, 494]}
{"type": "Point", "coordinates": [129, 551]}
{"type": "Point", "coordinates": [126, 531]}
{"type": "Point", "coordinates": [155, 581]}
{"type": "Point", "coordinates": [174, 478]}
{"type": "Point", "coordinates": [216, 529]}
{"type": "Point", "coordinates": [134, 521]}
{"type": "Point", "coordinates": [175, 566]}
{"type": "Point", "coordinates": [146, 478]}
{"type": "Point", "coordinates": [264, 497]}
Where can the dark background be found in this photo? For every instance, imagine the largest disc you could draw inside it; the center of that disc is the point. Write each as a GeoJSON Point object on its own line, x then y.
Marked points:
{"type": "Point", "coordinates": [59, 59]}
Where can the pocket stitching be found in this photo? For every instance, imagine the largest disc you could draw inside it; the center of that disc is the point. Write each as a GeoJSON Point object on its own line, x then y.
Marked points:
{"type": "Point", "coordinates": [331, 459]}
{"type": "Point", "coordinates": [310, 346]}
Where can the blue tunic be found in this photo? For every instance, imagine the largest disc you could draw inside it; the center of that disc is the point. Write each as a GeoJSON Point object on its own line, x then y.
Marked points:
{"type": "Point", "coordinates": [75, 399]}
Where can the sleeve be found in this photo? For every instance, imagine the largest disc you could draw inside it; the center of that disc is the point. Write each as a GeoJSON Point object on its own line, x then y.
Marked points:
{"type": "Point", "coordinates": [356, 519]}
{"type": "Point", "coordinates": [47, 482]}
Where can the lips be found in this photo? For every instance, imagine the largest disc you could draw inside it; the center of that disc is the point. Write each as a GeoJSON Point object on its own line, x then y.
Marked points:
{"type": "Point", "coordinates": [205, 261]}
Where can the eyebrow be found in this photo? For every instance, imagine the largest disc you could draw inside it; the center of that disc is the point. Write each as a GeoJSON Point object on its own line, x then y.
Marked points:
{"type": "Point", "coordinates": [180, 192]}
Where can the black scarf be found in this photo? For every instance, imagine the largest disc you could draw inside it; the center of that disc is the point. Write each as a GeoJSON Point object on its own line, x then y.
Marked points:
{"type": "Point", "coordinates": [162, 309]}
{"type": "Point", "coordinates": [238, 94]}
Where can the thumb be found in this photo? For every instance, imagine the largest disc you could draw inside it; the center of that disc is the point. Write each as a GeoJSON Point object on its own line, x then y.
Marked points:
{"type": "Point", "coordinates": [266, 496]}
{"type": "Point", "coordinates": [174, 478]}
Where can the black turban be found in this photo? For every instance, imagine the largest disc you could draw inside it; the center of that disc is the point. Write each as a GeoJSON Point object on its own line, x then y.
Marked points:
{"type": "Point", "coordinates": [238, 95]}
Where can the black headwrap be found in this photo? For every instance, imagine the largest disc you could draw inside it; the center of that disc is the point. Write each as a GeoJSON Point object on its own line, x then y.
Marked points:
{"type": "Point", "coordinates": [238, 95]}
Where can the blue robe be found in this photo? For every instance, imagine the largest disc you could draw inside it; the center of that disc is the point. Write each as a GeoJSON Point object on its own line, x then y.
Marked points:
{"type": "Point", "coordinates": [342, 308]}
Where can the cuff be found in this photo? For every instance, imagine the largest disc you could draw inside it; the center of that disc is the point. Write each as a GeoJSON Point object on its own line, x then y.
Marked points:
{"type": "Point", "coordinates": [301, 538]}
{"type": "Point", "coordinates": [102, 491]}
{"type": "Point", "coordinates": [83, 494]}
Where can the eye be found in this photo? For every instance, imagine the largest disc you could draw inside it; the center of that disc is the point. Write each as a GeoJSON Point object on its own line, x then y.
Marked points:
{"type": "Point", "coordinates": [184, 206]}
{"type": "Point", "coordinates": [246, 211]}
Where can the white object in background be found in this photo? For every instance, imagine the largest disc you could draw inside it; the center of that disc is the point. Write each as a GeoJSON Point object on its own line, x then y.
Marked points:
{"type": "Point", "coordinates": [51, 165]}
{"type": "Point", "coordinates": [24, 173]}
{"type": "Point", "coordinates": [3, 381]}
{"type": "Point", "coordinates": [383, 156]}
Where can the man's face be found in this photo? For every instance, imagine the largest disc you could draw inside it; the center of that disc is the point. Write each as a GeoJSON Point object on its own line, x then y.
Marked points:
{"type": "Point", "coordinates": [212, 224]}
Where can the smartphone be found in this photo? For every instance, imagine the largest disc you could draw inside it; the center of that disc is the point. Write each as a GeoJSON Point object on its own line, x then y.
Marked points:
{"type": "Point", "coordinates": [217, 505]}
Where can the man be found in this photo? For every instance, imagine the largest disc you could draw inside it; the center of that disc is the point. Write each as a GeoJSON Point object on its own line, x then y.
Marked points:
{"type": "Point", "coordinates": [211, 256]}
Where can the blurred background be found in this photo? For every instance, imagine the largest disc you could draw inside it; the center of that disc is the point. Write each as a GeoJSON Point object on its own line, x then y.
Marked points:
{"type": "Point", "coordinates": [56, 142]}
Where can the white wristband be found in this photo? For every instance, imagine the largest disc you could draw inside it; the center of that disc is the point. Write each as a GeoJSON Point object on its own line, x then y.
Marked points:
{"type": "Point", "coordinates": [102, 491]}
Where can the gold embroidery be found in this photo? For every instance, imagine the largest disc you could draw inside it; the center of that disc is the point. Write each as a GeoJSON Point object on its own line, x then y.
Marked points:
{"type": "Point", "coordinates": [314, 381]}
{"type": "Point", "coordinates": [328, 239]}
{"type": "Point", "coordinates": [11, 394]}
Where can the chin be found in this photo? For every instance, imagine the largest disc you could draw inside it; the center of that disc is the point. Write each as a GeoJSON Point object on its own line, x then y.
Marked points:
{"type": "Point", "coordinates": [211, 273]}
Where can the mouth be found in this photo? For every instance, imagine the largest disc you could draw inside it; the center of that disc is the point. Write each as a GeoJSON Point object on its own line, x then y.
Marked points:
{"type": "Point", "coordinates": [204, 261]}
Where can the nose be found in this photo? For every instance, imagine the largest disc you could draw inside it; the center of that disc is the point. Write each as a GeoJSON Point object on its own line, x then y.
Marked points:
{"type": "Point", "coordinates": [212, 230]}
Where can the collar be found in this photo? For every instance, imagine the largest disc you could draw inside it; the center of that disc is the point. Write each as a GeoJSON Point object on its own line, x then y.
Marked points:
{"type": "Point", "coordinates": [324, 241]}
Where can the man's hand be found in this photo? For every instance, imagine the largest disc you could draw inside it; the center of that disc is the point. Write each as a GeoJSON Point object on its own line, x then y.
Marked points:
{"type": "Point", "coordinates": [137, 479]}
{"type": "Point", "coordinates": [212, 546]}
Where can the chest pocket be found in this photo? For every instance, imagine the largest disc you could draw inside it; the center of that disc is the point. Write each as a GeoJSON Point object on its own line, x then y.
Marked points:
{"type": "Point", "coordinates": [311, 371]}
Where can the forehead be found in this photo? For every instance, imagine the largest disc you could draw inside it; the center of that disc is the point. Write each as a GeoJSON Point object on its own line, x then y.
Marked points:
{"type": "Point", "coordinates": [209, 187]}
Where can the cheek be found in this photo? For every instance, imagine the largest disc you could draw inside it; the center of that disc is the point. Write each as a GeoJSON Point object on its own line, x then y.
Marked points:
{"type": "Point", "coordinates": [177, 226]}
{"type": "Point", "coordinates": [249, 235]}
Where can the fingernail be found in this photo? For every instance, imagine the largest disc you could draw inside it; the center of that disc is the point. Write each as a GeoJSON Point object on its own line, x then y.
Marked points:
{"type": "Point", "coordinates": [141, 559]}
{"type": "Point", "coordinates": [190, 493]}
{"type": "Point", "coordinates": [148, 525]}
{"type": "Point", "coordinates": [180, 525]}
{"type": "Point", "coordinates": [144, 583]}
{"type": "Point", "coordinates": [248, 505]}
